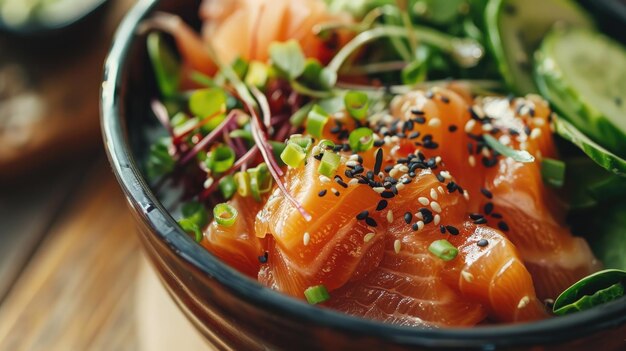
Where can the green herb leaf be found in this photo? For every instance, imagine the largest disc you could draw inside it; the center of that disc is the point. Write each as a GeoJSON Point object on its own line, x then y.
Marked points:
{"type": "Point", "coordinates": [288, 58]}
{"type": "Point", "coordinates": [165, 64]}
{"type": "Point", "coordinates": [207, 102]}
{"type": "Point", "coordinates": [593, 290]}
{"type": "Point", "coordinates": [517, 155]}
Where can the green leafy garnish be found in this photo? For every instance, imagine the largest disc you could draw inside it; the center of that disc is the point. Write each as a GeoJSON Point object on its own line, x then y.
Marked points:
{"type": "Point", "coordinates": [361, 139]}
{"type": "Point", "coordinates": [316, 294]}
{"type": "Point", "coordinates": [357, 104]}
{"type": "Point", "coordinates": [553, 172]}
{"type": "Point", "coordinates": [443, 249]}
{"type": "Point", "coordinates": [159, 161]}
{"type": "Point", "coordinates": [220, 159]}
{"type": "Point", "coordinates": [227, 186]}
{"type": "Point", "coordinates": [288, 58]}
{"type": "Point", "coordinates": [257, 74]}
{"type": "Point", "coordinates": [165, 64]}
{"type": "Point", "coordinates": [207, 102]}
{"type": "Point", "coordinates": [225, 214]}
{"type": "Point", "coordinates": [316, 120]}
{"type": "Point", "coordinates": [329, 163]}
{"type": "Point", "coordinates": [593, 290]}
{"type": "Point", "coordinates": [517, 155]}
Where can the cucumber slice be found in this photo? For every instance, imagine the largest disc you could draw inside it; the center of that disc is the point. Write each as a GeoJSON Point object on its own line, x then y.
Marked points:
{"type": "Point", "coordinates": [515, 29]}
{"type": "Point", "coordinates": [597, 153]}
{"type": "Point", "coordinates": [588, 185]}
{"type": "Point", "coordinates": [583, 74]}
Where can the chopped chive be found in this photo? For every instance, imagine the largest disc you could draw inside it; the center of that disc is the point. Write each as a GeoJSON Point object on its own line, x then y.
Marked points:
{"type": "Point", "coordinates": [361, 139]}
{"type": "Point", "coordinates": [242, 181]}
{"type": "Point", "coordinates": [260, 180]}
{"type": "Point", "coordinates": [329, 163]}
{"type": "Point", "coordinates": [357, 104]}
{"type": "Point", "coordinates": [227, 186]}
{"type": "Point", "coordinates": [443, 249]}
{"type": "Point", "coordinates": [316, 294]}
{"type": "Point", "coordinates": [553, 172]}
{"type": "Point", "coordinates": [166, 66]}
{"type": "Point", "coordinates": [220, 159]}
{"type": "Point", "coordinates": [225, 214]}
{"type": "Point", "coordinates": [316, 120]}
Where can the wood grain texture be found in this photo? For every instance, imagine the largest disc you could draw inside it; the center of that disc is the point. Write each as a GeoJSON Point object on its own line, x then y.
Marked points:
{"type": "Point", "coordinates": [77, 293]}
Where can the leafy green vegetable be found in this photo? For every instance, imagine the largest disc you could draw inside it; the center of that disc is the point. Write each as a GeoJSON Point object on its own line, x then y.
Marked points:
{"type": "Point", "coordinates": [553, 172]}
{"type": "Point", "coordinates": [317, 76]}
{"type": "Point", "coordinates": [608, 239]}
{"type": "Point", "coordinates": [159, 161]}
{"type": "Point", "coordinates": [517, 155]}
{"type": "Point", "coordinates": [593, 290]}
{"type": "Point", "coordinates": [288, 58]}
{"type": "Point", "coordinates": [165, 64]}
{"type": "Point", "coordinates": [207, 102]}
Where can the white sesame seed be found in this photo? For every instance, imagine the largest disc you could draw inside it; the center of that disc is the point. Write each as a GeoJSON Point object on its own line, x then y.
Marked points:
{"type": "Point", "coordinates": [419, 215]}
{"type": "Point", "coordinates": [400, 186]}
{"type": "Point", "coordinates": [394, 172]}
{"type": "Point", "coordinates": [208, 182]}
{"type": "Point", "coordinates": [381, 175]}
{"type": "Point", "coordinates": [523, 145]}
{"type": "Point", "coordinates": [433, 194]}
{"type": "Point", "coordinates": [466, 195]}
{"type": "Point", "coordinates": [445, 174]}
{"type": "Point", "coordinates": [523, 302]}
{"type": "Point", "coordinates": [353, 181]}
{"type": "Point", "coordinates": [469, 126]}
{"type": "Point", "coordinates": [390, 216]}
{"type": "Point", "coordinates": [324, 179]}
{"type": "Point", "coordinates": [423, 200]}
{"type": "Point", "coordinates": [306, 238]}
{"type": "Point", "coordinates": [368, 237]}
{"type": "Point", "coordinates": [435, 206]}
{"type": "Point", "coordinates": [467, 276]}
{"type": "Point", "coordinates": [420, 225]}
{"type": "Point", "coordinates": [487, 127]}
{"type": "Point", "coordinates": [403, 169]}
{"type": "Point", "coordinates": [395, 138]}
{"type": "Point", "coordinates": [335, 191]}
{"type": "Point", "coordinates": [351, 163]}
{"type": "Point", "coordinates": [343, 160]}
{"type": "Point", "coordinates": [504, 139]}
{"type": "Point", "coordinates": [316, 150]}
{"type": "Point", "coordinates": [437, 219]}
{"type": "Point", "coordinates": [378, 189]}
{"type": "Point", "coordinates": [440, 189]}
{"type": "Point", "coordinates": [471, 160]}
{"type": "Point", "coordinates": [535, 133]}
{"type": "Point", "coordinates": [486, 152]}
{"type": "Point", "coordinates": [354, 157]}
{"type": "Point", "coordinates": [434, 122]}
{"type": "Point", "coordinates": [438, 159]}
{"type": "Point", "coordinates": [539, 122]}
{"type": "Point", "coordinates": [397, 245]}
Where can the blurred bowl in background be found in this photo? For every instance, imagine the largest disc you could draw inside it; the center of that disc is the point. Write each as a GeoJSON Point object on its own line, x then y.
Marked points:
{"type": "Point", "coordinates": [235, 312]}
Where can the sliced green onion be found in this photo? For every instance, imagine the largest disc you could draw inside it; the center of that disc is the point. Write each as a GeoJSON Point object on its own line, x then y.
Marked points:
{"type": "Point", "coordinates": [293, 155]}
{"type": "Point", "coordinates": [329, 164]}
{"type": "Point", "coordinates": [260, 181]}
{"type": "Point", "coordinates": [227, 187]}
{"type": "Point", "coordinates": [322, 146]}
{"type": "Point", "coordinates": [191, 227]}
{"type": "Point", "coordinates": [316, 120]}
{"type": "Point", "coordinates": [242, 180]}
{"type": "Point", "coordinates": [297, 119]}
{"type": "Point", "coordinates": [553, 172]}
{"type": "Point", "coordinates": [225, 214]}
{"type": "Point", "coordinates": [305, 142]}
{"type": "Point", "coordinates": [357, 104]}
{"type": "Point", "coordinates": [277, 150]}
{"type": "Point", "coordinates": [443, 249]}
{"type": "Point", "coordinates": [361, 139]}
{"type": "Point", "coordinates": [220, 159]}
{"type": "Point", "coordinates": [316, 294]}
{"type": "Point", "coordinates": [207, 102]}
{"type": "Point", "coordinates": [517, 155]}
{"type": "Point", "coordinates": [159, 161]}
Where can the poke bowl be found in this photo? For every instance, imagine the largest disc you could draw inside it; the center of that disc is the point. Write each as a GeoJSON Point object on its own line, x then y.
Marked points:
{"type": "Point", "coordinates": [233, 310]}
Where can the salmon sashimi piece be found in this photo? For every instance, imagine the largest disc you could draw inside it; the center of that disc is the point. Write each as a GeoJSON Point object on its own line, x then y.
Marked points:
{"type": "Point", "coordinates": [327, 250]}
{"type": "Point", "coordinates": [237, 245]}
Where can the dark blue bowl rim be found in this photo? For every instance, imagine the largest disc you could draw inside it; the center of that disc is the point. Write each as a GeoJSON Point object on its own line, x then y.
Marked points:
{"type": "Point", "coordinates": [549, 331]}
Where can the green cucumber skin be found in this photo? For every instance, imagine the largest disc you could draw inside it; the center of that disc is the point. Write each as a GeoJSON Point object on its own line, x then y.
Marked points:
{"type": "Point", "coordinates": [517, 80]}
{"type": "Point", "coordinates": [570, 103]}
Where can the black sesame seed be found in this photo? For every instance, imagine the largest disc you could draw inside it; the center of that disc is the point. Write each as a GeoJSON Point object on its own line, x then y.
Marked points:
{"type": "Point", "coordinates": [322, 193]}
{"type": "Point", "coordinates": [318, 156]}
{"type": "Point", "coordinates": [427, 215]}
{"type": "Point", "coordinates": [473, 114]}
{"type": "Point", "coordinates": [452, 128]}
{"type": "Point", "coordinates": [430, 94]}
{"type": "Point", "coordinates": [379, 142]}
{"type": "Point", "coordinates": [349, 173]}
{"type": "Point", "coordinates": [342, 183]}
{"type": "Point", "coordinates": [394, 190]}
{"type": "Point", "coordinates": [337, 193]}
{"type": "Point", "coordinates": [370, 175]}
{"type": "Point", "coordinates": [414, 135]}
{"type": "Point", "coordinates": [476, 216]}
{"type": "Point", "coordinates": [496, 215]}
{"type": "Point", "coordinates": [263, 258]}
{"type": "Point", "coordinates": [452, 230]}
{"type": "Point", "coordinates": [419, 120]}
{"type": "Point", "coordinates": [527, 130]}
{"type": "Point", "coordinates": [503, 226]}
{"type": "Point", "coordinates": [487, 193]}
{"type": "Point", "coordinates": [415, 227]}
{"type": "Point", "coordinates": [482, 220]}
{"type": "Point", "coordinates": [482, 242]}
{"type": "Point", "coordinates": [452, 187]}
{"type": "Point", "coordinates": [387, 194]}
{"type": "Point", "coordinates": [403, 160]}
{"type": "Point", "coordinates": [371, 222]}
{"type": "Point", "coordinates": [440, 178]}
{"type": "Point", "coordinates": [382, 204]}
{"type": "Point", "coordinates": [358, 169]}
{"type": "Point", "coordinates": [406, 181]}
{"type": "Point", "coordinates": [408, 216]}
{"type": "Point", "coordinates": [412, 174]}
{"type": "Point", "coordinates": [362, 215]}
{"type": "Point", "coordinates": [335, 129]}
{"type": "Point", "coordinates": [417, 112]}
{"type": "Point", "coordinates": [445, 99]}
{"type": "Point", "coordinates": [488, 208]}
{"type": "Point", "coordinates": [346, 147]}
{"type": "Point", "coordinates": [470, 148]}
{"type": "Point", "coordinates": [442, 229]}
{"type": "Point", "coordinates": [388, 169]}
{"type": "Point", "coordinates": [489, 161]}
